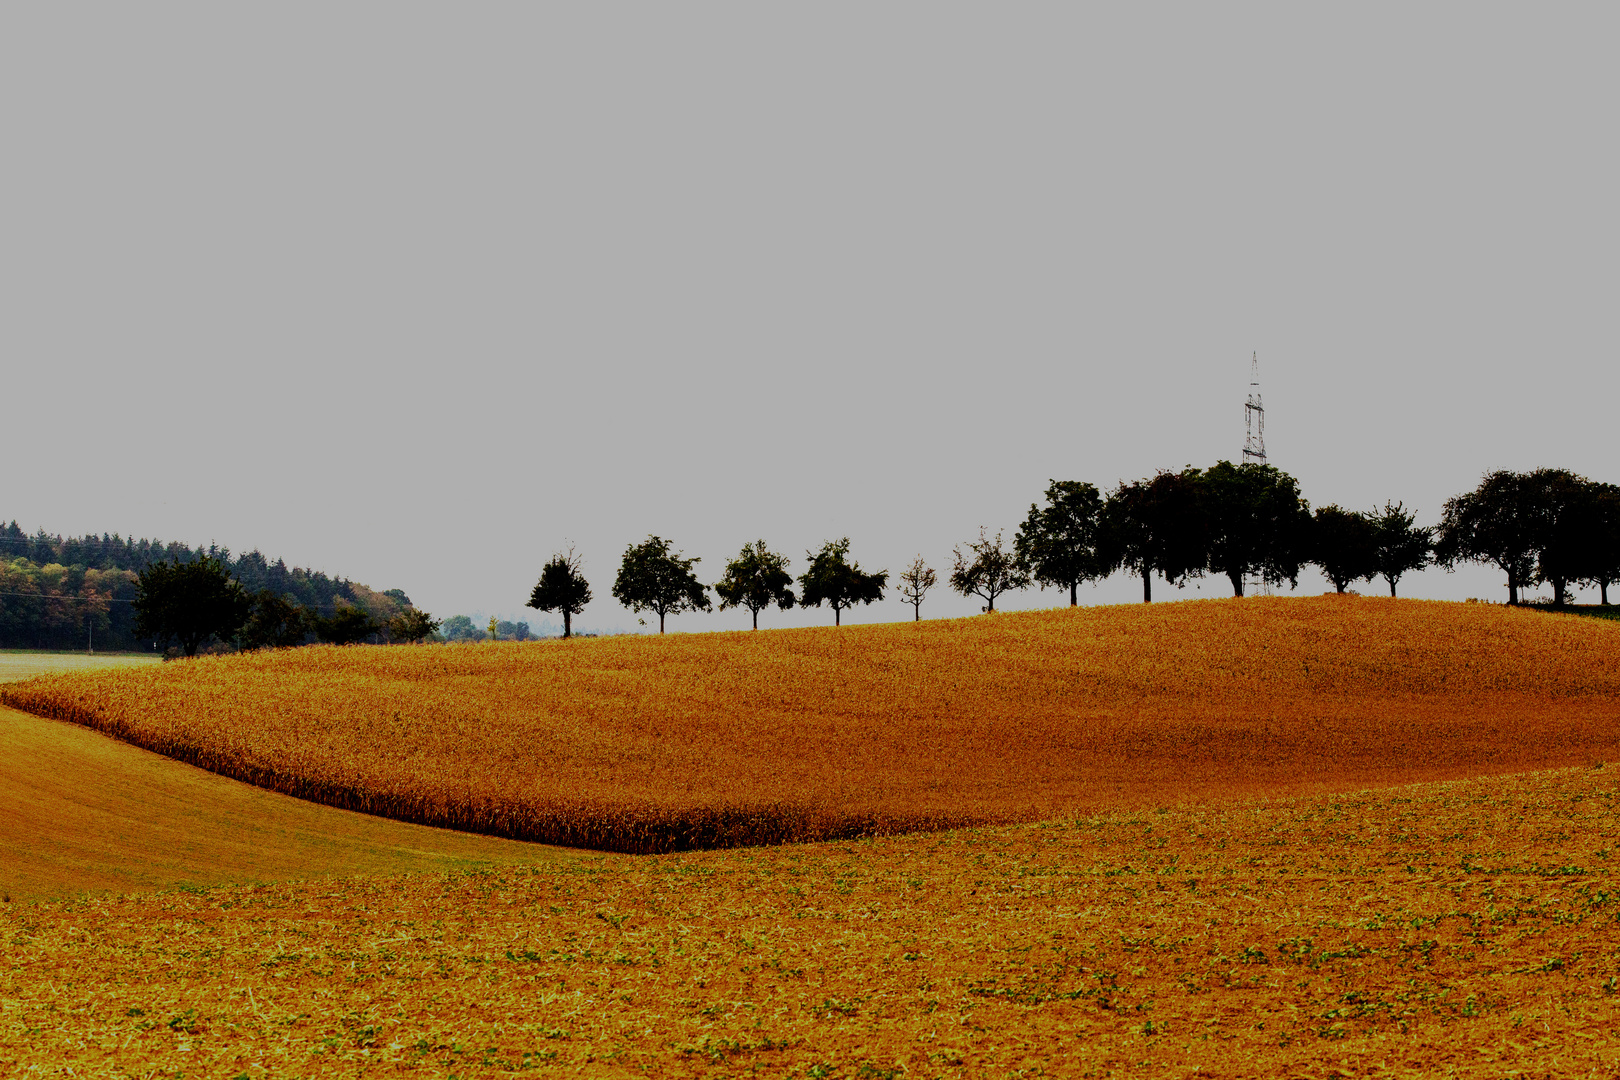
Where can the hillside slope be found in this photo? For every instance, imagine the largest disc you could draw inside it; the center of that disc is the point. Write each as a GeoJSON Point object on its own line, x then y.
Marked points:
{"type": "Point", "coordinates": [81, 812]}
{"type": "Point", "coordinates": [649, 744]}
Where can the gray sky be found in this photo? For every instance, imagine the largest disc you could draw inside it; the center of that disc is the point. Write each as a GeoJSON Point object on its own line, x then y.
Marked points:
{"type": "Point", "coordinates": [417, 294]}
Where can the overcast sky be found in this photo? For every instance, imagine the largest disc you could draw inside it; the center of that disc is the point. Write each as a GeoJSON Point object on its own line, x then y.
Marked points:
{"type": "Point", "coordinates": [416, 295]}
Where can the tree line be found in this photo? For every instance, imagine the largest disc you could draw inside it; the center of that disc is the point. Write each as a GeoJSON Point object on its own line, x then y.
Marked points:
{"type": "Point", "coordinates": [69, 592]}
{"type": "Point", "coordinates": [1247, 523]}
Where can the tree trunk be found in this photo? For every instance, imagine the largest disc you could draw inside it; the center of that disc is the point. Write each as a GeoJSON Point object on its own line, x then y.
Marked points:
{"type": "Point", "coordinates": [1391, 585]}
{"type": "Point", "coordinates": [568, 624]}
{"type": "Point", "coordinates": [1147, 586]}
{"type": "Point", "coordinates": [1603, 591]}
{"type": "Point", "coordinates": [916, 609]}
{"type": "Point", "coordinates": [992, 606]}
{"type": "Point", "coordinates": [660, 622]}
{"type": "Point", "coordinates": [1339, 586]}
{"type": "Point", "coordinates": [756, 617]}
{"type": "Point", "coordinates": [1559, 587]}
{"type": "Point", "coordinates": [1237, 582]}
{"type": "Point", "coordinates": [1513, 590]}
{"type": "Point", "coordinates": [837, 616]}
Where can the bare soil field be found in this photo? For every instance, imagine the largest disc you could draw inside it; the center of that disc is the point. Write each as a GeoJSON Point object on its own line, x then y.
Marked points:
{"type": "Point", "coordinates": [1464, 929]}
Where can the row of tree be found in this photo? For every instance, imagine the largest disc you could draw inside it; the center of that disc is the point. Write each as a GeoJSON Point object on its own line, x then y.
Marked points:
{"type": "Point", "coordinates": [1247, 523]}
{"type": "Point", "coordinates": [1244, 522]}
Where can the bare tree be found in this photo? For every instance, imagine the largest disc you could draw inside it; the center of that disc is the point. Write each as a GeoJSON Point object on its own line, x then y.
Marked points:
{"type": "Point", "coordinates": [987, 570]}
{"type": "Point", "coordinates": [915, 581]}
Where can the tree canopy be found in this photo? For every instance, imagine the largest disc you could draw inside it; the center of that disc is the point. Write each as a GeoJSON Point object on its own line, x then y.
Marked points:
{"type": "Point", "coordinates": [1504, 522]}
{"type": "Point", "coordinates": [190, 603]}
{"type": "Point", "coordinates": [55, 591]}
{"type": "Point", "coordinates": [1059, 544]}
{"type": "Point", "coordinates": [756, 579]}
{"type": "Point", "coordinates": [832, 578]}
{"type": "Point", "coordinates": [562, 587]}
{"type": "Point", "coordinates": [1572, 547]}
{"type": "Point", "coordinates": [1402, 545]}
{"type": "Point", "coordinates": [1604, 569]}
{"type": "Point", "coordinates": [1155, 525]}
{"type": "Point", "coordinates": [986, 570]}
{"type": "Point", "coordinates": [412, 625]}
{"type": "Point", "coordinates": [347, 626]}
{"type": "Point", "coordinates": [1257, 523]}
{"type": "Point", "coordinates": [654, 578]}
{"type": "Point", "coordinates": [1344, 543]}
{"type": "Point", "coordinates": [275, 623]}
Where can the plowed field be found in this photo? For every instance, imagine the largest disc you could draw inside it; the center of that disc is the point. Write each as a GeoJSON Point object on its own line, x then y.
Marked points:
{"type": "Point", "coordinates": [1460, 929]}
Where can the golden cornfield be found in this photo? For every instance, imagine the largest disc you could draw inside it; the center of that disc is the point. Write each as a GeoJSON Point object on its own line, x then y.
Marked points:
{"type": "Point", "coordinates": [657, 744]}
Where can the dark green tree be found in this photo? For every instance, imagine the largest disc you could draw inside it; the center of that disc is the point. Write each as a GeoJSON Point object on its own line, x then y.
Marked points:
{"type": "Point", "coordinates": [1402, 544]}
{"type": "Point", "coordinates": [756, 579]}
{"type": "Point", "coordinates": [654, 578]}
{"type": "Point", "coordinates": [1504, 522]}
{"type": "Point", "coordinates": [1571, 549]}
{"type": "Point", "coordinates": [1059, 543]}
{"type": "Point", "coordinates": [986, 570]}
{"type": "Point", "coordinates": [562, 587]}
{"type": "Point", "coordinates": [348, 625]}
{"type": "Point", "coordinates": [1604, 568]}
{"type": "Point", "coordinates": [1257, 523]}
{"type": "Point", "coordinates": [832, 578]}
{"type": "Point", "coordinates": [190, 602]}
{"type": "Point", "coordinates": [275, 623]}
{"type": "Point", "coordinates": [412, 625]}
{"type": "Point", "coordinates": [1155, 526]}
{"type": "Point", "coordinates": [1344, 543]}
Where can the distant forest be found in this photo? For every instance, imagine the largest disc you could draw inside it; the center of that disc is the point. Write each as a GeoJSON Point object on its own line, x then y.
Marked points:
{"type": "Point", "coordinates": [69, 593]}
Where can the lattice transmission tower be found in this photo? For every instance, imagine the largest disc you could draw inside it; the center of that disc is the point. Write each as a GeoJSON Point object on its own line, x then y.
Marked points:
{"type": "Point", "coordinates": [1254, 450]}
{"type": "Point", "coordinates": [1254, 418]}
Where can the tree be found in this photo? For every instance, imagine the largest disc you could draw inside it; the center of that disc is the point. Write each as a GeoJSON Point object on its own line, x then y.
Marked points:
{"type": "Point", "coordinates": [915, 581]}
{"type": "Point", "coordinates": [1344, 543]}
{"type": "Point", "coordinates": [756, 579]}
{"type": "Point", "coordinates": [412, 625]}
{"type": "Point", "coordinates": [1571, 549]}
{"type": "Point", "coordinates": [841, 583]}
{"type": "Point", "coordinates": [1401, 544]}
{"type": "Point", "coordinates": [461, 628]}
{"type": "Point", "coordinates": [1155, 525]}
{"type": "Point", "coordinates": [190, 602]}
{"type": "Point", "coordinates": [1605, 565]}
{"type": "Point", "coordinates": [654, 578]}
{"type": "Point", "coordinates": [1503, 522]}
{"type": "Point", "coordinates": [1257, 523]}
{"type": "Point", "coordinates": [1059, 543]}
{"type": "Point", "coordinates": [275, 623]}
{"type": "Point", "coordinates": [986, 570]}
{"type": "Point", "coordinates": [348, 625]}
{"type": "Point", "coordinates": [562, 587]}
